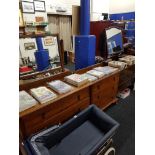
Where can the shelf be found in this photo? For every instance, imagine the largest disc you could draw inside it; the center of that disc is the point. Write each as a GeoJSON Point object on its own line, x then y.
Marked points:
{"type": "Point", "coordinates": [22, 26]}
{"type": "Point", "coordinates": [37, 25]}
{"type": "Point", "coordinates": [59, 13]}
{"type": "Point", "coordinates": [34, 35]}
{"type": "Point", "coordinates": [43, 25]}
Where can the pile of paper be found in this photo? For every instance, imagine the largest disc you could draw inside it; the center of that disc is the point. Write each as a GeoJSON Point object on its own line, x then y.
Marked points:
{"type": "Point", "coordinates": [106, 69]}
{"type": "Point", "coordinates": [76, 79]}
{"type": "Point", "coordinates": [42, 94]}
{"type": "Point", "coordinates": [90, 77]}
{"type": "Point", "coordinates": [60, 87]}
{"type": "Point", "coordinates": [96, 73]}
{"type": "Point", "coordinates": [25, 101]}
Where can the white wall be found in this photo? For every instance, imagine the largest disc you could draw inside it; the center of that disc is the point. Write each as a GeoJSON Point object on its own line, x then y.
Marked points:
{"type": "Point", "coordinates": [51, 4]}
{"type": "Point", "coordinates": [98, 7]}
{"type": "Point", "coordinates": [31, 16]}
{"type": "Point", "coordinates": [121, 6]}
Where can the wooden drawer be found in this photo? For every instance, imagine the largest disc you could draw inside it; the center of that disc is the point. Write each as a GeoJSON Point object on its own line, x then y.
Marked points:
{"type": "Point", "coordinates": [56, 119]}
{"type": "Point", "coordinates": [56, 107]}
{"type": "Point", "coordinates": [105, 83]}
{"type": "Point", "coordinates": [103, 97]}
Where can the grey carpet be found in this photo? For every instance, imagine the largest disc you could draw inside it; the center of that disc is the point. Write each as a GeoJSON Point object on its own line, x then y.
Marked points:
{"type": "Point", "coordinates": [124, 113]}
{"type": "Point", "coordinates": [70, 66]}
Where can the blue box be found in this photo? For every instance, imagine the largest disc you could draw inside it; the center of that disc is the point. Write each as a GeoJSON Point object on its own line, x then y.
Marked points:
{"type": "Point", "coordinates": [84, 51]}
{"type": "Point", "coordinates": [42, 59]}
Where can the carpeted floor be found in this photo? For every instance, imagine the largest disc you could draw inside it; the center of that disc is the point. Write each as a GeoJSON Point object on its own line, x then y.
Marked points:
{"type": "Point", "coordinates": [70, 66]}
{"type": "Point", "coordinates": [124, 113]}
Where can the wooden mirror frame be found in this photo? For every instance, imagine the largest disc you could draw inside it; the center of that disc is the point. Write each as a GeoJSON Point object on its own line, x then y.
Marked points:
{"type": "Point", "coordinates": [106, 55]}
{"type": "Point", "coordinates": [61, 51]}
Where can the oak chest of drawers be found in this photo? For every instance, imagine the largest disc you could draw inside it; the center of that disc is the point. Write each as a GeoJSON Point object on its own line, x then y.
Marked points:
{"type": "Point", "coordinates": [104, 92]}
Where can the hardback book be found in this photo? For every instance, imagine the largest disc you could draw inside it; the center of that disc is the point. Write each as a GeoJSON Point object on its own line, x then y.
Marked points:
{"type": "Point", "coordinates": [90, 77]}
{"type": "Point", "coordinates": [26, 101]}
{"type": "Point", "coordinates": [76, 79]}
{"type": "Point", "coordinates": [96, 73]}
{"type": "Point", "coordinates": [43, 94]}
{"type": "Point", "coordinates": [60, 86]}
{"type": "Point", "coordinates": [106, 69]}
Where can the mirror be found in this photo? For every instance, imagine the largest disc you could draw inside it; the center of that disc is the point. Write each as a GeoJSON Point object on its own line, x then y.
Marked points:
{"type": "Point", "coordinates": [28, 46]}
{"type": "Point", "coordinates": [114, 41]}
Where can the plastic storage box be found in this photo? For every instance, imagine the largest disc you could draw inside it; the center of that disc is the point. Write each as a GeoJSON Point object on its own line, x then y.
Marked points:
{"type": "Point", "coordinates": [84, 134]}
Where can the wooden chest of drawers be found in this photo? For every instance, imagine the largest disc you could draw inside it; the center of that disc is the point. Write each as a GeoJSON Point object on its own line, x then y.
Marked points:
{"type": "Point", "coordinates": [55, 112]}
{"type": "Point", "coordinates": [103, 92]}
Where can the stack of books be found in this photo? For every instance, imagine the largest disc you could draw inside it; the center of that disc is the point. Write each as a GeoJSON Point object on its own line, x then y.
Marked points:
{"type": "Point", "coordinates": [90, 77]}
{"type": "Point", "coordinates": [118, 64]}
{"type": "Point", "coordinates": [106, 70]}
{"type": "Point", "coordinates": [60, 87]}
{"type": "Point", "coordinates": [96, 73]}
{"type": "Point", "coordinates": [76, 79]}
{"type": "Point", "coordinates": [26, 101]}
{"type": "Point", "coordinates": [129, 59]}
{"type": "Point", "coordinates": [42, 94]}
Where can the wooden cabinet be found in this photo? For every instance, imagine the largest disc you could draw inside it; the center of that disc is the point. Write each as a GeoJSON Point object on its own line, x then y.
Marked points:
{"type": "Point", "coordinates": [103, 92]}
{"type": "Point", "coordinates": [54, 112]}
{"type": "Point", "coordinates": [127, 77]}
{"type": "Point", "coordinates": [97, 28]}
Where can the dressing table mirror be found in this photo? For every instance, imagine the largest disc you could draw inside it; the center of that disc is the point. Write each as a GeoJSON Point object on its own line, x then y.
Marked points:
{"type": "Point", "coordinates": [114, 42]}
{"type": "Point", "coordinates": [115, 50]}
{"type": "Point", "coordinates": [27, 49]}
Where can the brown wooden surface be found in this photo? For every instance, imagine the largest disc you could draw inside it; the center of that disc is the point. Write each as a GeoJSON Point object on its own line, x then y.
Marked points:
{"type": "Point", "coordinates": [103, 93]}
{"type": "Point", "coordinates": [55, 112]}
{"type": "Point", "coordinates": [67, 105]}
{"type": "Point", "coordinates": [34, 74]}
{"type": "Point", "coordinates": [96, 28]}
{"type": "Point", "coordinates": [127, 77]}
{"type": "Point", "coordinates": [75, 20]}
{"type": "Point", "coordinates": [28, 84]}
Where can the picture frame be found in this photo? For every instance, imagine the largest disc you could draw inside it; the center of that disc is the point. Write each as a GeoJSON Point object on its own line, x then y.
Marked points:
{"type": "Point", "coordinates": [27, 7]}
{"type": "Point", "coordinates": [29, 46]}
{"type": "Point", "coordinates": [39, 6]}
{"type": "Point", "coordinates": [48, 41]}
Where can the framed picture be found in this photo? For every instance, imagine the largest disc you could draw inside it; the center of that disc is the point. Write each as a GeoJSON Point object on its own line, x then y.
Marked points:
{"type": "Point", "coordinates": [39, 6]}
{"type": "Point", "coordinates": [48, 41]}
{"type": "Point", "coordinates": [29, 46]}
{"type": "Point", "coordinates": [27, 7]}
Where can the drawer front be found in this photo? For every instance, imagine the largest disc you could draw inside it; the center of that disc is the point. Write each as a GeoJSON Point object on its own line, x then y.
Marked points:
{"type": "Point", "coordinates": [105, 83]}
{"type": "Point", "coordinates": [56, 107]}
{"type": "Point", "coordinates": [102, 98]}
{"type": "Point", "coordinates": [55, 119]}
